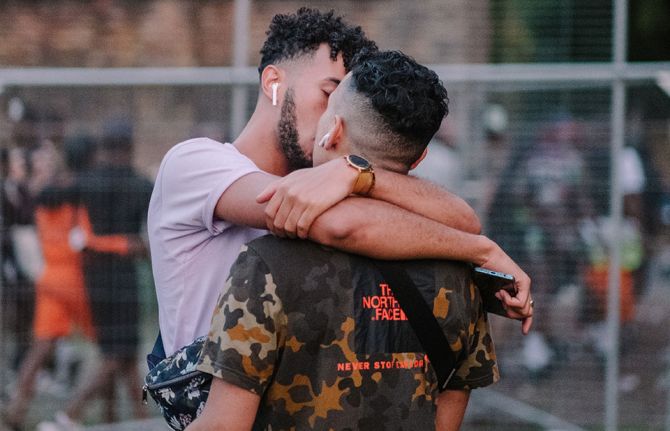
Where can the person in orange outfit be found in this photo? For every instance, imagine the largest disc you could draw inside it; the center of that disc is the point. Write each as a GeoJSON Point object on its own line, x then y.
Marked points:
{"type": "Point", "coordinates": [114, 200]}
{"type": "Point", "coordinates": [61, 302]}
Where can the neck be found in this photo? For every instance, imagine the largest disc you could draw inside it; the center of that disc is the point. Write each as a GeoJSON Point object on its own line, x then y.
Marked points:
{"type": "Point", "coordinates": [259, 142]}
{"type": "Point", "coordinates": [377, 162]}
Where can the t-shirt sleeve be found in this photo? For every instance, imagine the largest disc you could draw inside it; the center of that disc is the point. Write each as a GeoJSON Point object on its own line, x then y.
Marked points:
{"type": "Point", "coordinates": [244, 339]}
{"type": "Point", "coordinates": [193, 177]}
{"type": "Point", "coordinates": [480, 367]}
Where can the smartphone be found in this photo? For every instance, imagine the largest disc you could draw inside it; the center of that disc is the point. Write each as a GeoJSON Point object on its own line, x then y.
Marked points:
{"type": "Point", "coordinates": [489, 282]}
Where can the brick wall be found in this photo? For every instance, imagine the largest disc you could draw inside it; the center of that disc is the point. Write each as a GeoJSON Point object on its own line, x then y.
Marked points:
{"type": "Point", "coordinates": [125, 33]}
{"type": "Point", "coordinates": [106, 33]}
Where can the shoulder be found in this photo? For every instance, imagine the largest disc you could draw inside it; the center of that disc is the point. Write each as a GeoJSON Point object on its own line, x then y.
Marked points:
{"type": "Point", "coordinates": [190, 144]}
{"type": "Point", "coordinates": [203, 158]}
{"type": "Point", "coordinates": [456, 301]}
{"type": "Point", "coordinates": [268, 242]}
{"type": "Point", "coordinates": [140, 181]}
{"type": "Point", "coordinates": [201, 146]}
{"type": "Point", "coordinates": [454, 269]}
{"type": "Point", "coordinates": [454, 274]}
{"type": "Point", "coordinates": [291, 253]}
{"type": "Point", "coordinates": [294, 262]}
{"type": "Point", "coordinates": [52, 196]}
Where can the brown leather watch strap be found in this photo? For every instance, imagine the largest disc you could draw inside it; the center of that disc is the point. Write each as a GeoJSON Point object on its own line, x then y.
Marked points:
{"type": "Point", "coordinates": [364, 183]}
{"type": "Point", "coordinates": [366, 175]}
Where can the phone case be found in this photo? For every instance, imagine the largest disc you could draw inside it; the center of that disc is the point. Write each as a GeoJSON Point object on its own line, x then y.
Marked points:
{"type": "Point", "coordinates": [489, 282]}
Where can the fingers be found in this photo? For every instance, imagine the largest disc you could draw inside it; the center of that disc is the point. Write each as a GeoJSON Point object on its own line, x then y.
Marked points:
{"type": "Point", "coordinates": [517, 309]}
{"type": "Point", "coordinates": [291, 223]}
{"type": "Point", "coordinates": [283, 210]}
{"type": "Point", "coordinates": [271, 227]}
{"type": "Point", "coordinates": [300, 220]}
{"type": "Point", "coordinates": [295, 201]}
{"type": "Point", "coordinates": [305, 223]}
{"type": "Point", "coordinates": [515, 304]}
{"type": "Point", "coordinates": [290, 216]}
{"type": "Point", "coordinates": [523, 292]}
{"type": "Point", "coordinates": [518, 306]}
{"type": "Point", "coordinates": [526, 324]}
{"type": "Point", "coordinates": [268, 192]}
{"type": "Point", "coordinates": [280, 217]}
{"type": "Point", "coordinates": [273, 206]}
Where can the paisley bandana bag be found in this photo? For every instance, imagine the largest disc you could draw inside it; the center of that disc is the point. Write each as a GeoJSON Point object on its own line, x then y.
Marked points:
{"type": "Point", "coordinates": [177, 387]}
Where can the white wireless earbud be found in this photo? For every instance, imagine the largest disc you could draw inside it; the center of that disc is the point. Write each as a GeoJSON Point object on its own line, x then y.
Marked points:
{"type": "Point", "coordinates": [322, 142]}
{"type": "Point", "coordinates": [274, 93]}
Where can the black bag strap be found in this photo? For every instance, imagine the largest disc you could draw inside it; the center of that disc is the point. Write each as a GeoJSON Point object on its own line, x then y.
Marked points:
{"type": "Point", "coordinates": [422, 320]}
{"type": "Point", "coordinates": [157, 353]}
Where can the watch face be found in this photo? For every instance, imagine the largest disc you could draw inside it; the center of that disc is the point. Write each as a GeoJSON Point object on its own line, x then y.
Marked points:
{"type": "Point", "coordinates": [359, 161]}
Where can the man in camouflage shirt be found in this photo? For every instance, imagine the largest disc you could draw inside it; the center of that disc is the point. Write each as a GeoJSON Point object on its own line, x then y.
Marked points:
{"type": "Point", "coordinates": [307, 337]}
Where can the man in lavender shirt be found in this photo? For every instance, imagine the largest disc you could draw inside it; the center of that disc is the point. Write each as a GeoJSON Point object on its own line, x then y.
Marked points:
{"type": "Point", "coordinates": [210, 198]}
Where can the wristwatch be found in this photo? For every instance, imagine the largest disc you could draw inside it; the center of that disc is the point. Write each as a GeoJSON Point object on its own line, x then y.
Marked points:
{"type": "Point", "coordinates": [366, 175]}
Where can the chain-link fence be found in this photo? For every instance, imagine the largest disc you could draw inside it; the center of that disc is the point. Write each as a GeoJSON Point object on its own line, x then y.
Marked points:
{"type": "Point", "coordinates": [562, 157]}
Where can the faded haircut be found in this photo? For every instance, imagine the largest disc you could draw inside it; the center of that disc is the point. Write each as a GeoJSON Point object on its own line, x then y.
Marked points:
{"type": "Point", "coordinates": [300, 34]}
{"type": "Point", "coordinates": [400, 105]}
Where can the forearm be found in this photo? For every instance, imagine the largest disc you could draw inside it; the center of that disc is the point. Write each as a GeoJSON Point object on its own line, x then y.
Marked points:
{"type": "Point", "coordinates": [213, 423]}
{"type": "Point", "coordinates": [451, 407]}
{"type": "Point", "coordinates": [384, 231]}
{"type": "Point", "coordinates": [228, 408]}
{"type": "Point", "coordinates": [238, 203]}
{"type": "Point", "coordinates": [296, 200]}
{"type": "Point", "coordinates": [116, 244]}
{"type": "Point", "coordinates": [427, 199]}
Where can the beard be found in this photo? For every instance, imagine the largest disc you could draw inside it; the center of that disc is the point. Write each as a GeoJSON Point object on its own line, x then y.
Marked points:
{"type": "Point", "coordinates": [288, 136]}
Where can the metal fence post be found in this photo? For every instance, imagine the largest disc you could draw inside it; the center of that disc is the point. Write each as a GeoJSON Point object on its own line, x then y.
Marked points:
{"type": "Point", "coordinates": [3, 336]}
{"type": "Point", "coordinates": [240, 57]}
{"type": "Point", "coordinates": [618, 119]}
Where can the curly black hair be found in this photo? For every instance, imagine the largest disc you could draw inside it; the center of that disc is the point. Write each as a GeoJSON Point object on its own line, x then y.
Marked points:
{"type": "Point", "coordinates": [409, 98]}
{"type": "Point", "coordinates": [302, 33]}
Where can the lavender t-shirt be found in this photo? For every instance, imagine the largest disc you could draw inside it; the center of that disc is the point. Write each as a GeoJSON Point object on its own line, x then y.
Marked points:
{"type": "Point", "coordinates": [191, 250]}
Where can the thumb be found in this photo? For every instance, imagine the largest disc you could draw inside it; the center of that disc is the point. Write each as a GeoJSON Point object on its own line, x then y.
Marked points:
{"type": "Point", "coordinates": [526, 324]}
{"type": "Point", "coordinates": [267, 193]}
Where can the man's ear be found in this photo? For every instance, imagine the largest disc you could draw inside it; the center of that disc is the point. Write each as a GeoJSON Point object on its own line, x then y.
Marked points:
{"type": "Point", "coordinates": [272, 75]}
{"type": "Point", "coordinates": [335, 135]}
{"type": "Point", "coordinates": [423, 156]}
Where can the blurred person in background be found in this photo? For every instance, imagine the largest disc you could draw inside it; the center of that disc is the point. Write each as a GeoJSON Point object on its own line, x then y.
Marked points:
{"type": "Point", "coordinates": [443, 164]}
{"type": "Point", "coordinates": [61, 303]}
{"type": "Point", "coordinates": [598, 234]}
{"type": "Point", "coordinates": [39, 131]}
{"type": "Point", "coordinates": [535, 213]}
{"type": "Point", "coordinates": [642, 185]}
{"type": "Point", "coordinates": [551, 190]}
{"type": "Point", "coordinates": [27, 168]}
{"type": "Point", "coordinates": [211, 198]}
{"type": "Point", "coordinates": [17, 214]}
{"type": "Point", "coordinates": [114, 200]}
{"type": "Point", "coordinates": [496, 162]}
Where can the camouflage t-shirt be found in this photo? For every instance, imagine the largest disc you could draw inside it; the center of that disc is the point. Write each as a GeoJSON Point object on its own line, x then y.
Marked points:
{"type": "Point", "coordinates": [318, 334]}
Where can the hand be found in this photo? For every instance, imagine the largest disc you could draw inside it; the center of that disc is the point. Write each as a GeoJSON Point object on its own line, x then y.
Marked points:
{"type": "Point", "coordinates": [295, 201]}
{"type": "Point", "coordinates": [519, 306]}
